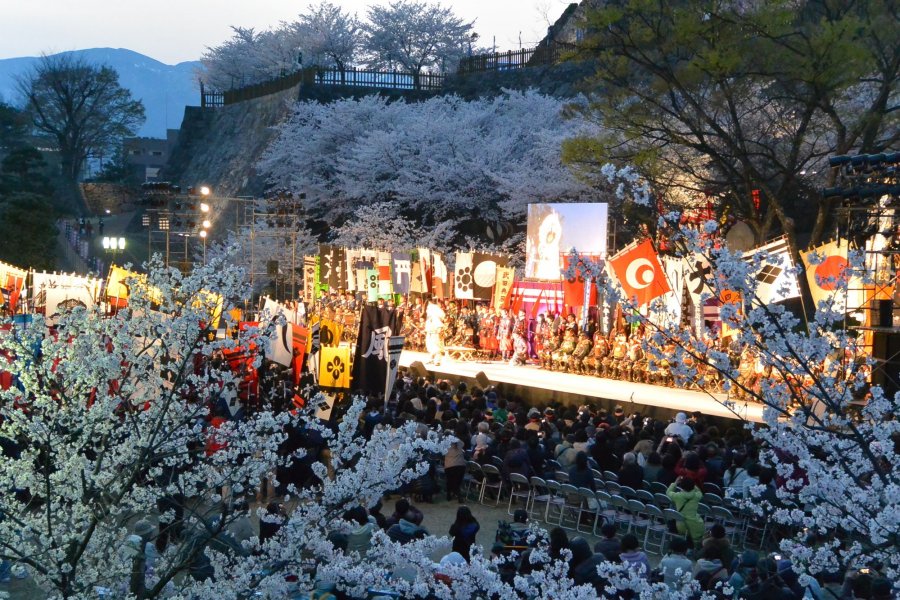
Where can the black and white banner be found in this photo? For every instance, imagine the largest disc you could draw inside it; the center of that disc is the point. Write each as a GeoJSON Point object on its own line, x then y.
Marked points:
{"type": "Point", "coordinates": [370, 365]}
{"type": "Point", "coordinates": [395, 347]}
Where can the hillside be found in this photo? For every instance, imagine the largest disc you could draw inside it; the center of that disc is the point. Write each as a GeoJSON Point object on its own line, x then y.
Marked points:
{"type": "Point", "coordinates": [164, 89]}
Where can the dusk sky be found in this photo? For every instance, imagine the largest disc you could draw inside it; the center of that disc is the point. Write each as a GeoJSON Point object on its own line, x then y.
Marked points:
{"type": "Point", "coordinates": [175, 31]}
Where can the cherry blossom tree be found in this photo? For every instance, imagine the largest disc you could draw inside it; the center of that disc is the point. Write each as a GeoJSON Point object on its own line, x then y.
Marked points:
{"type": "Point", "coordinates": [250, 57]}
{"type": "Point", "coordinates": [330, 36]}
{"type": "Point", "coordinates": [829, 433]}
{"type": "Point", "coordinates": [442, 161]}
{"type": "Point", "coordinates": [415, 36]}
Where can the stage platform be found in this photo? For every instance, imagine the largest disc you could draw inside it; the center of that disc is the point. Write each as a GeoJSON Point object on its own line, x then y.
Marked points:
{"type": "Point", "coordinates": [531, 381]}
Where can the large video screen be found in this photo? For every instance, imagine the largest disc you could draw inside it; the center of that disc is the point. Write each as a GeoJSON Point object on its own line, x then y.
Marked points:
{"type": "Point", "coordinates": [555, 229]}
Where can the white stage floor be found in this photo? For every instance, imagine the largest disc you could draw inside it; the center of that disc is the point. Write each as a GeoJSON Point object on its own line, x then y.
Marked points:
{"type": "Point", "coordinates": [621, 392]}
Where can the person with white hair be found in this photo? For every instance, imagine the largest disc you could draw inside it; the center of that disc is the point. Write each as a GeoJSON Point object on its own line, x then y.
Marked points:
{"type": "Point", "coordinates": [680, 428]}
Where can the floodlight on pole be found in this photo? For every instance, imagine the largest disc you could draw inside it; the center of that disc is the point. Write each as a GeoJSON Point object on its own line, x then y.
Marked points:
{"type": "Point", "coordinates": [204, 207]}
{"type": "Point", "coordinates": [204, 190]}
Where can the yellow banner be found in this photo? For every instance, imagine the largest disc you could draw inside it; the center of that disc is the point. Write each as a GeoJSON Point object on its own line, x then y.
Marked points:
{"type": "Point", "coordinates": [504, 282]}
{"type": "Point", "coordinates": [330, 332]}
{"type": "Point", "coordinates": [334, 368]}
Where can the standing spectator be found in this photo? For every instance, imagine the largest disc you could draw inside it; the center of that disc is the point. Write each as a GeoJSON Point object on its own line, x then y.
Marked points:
{"type": "Point", "coordinates": [653, 467]}
{"type": "Point", "coordinates": [685, 497]}
{"type": "Point", "coordinates": [667, 475]}
{"type": "Point", "coordinates": [680, 429]}
{"type": "Point", "coordinates": [633, 557]}
{"type": "Point", "coordinates": [454, 468]}
{"type": "Point", "coordinates": [464, 530]}
{"type": "Point", "coordinates": [676, 567]}
{"type": "Point", "coordinates": [643, 449]}
{"type": "Point", "coordinates": [691, 467]}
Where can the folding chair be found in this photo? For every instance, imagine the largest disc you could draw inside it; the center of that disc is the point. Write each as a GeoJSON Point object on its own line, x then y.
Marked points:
{"type": "Point", "coordinates": [711, 499]}
{"type": "Point", "coordinates": [639, 519]}
{"type": "Point", "coordinates": [571, 506]}
{"type": "Point", "coordinates": [474, 478]}
{"type": "Point", "coordinates": [658, 488]}
{"type": "Point", "coordinates": [610, 476]}
{"type": "Point", "coordinates": [662, 501]}
{"type": "Point", "coordinates": [670, 514]}
{"type": "Point", "coordinates": [712, 488]}
{"type": "Point", "coordinates": [732, 524]}
{"type": "Point", "coordinates": [613, 488]}
{"type": "Point", "coordinates": [623, 517]}
{"type": "Point", "coordinates": [519, 487]}
{"type": "Point", "coordinates": [644, 496]}
{"type": "Point", "coordinates": [627, 492]}
{"type": "Point", "coordinates": [657, 525]}
{"type": "Point", "coordinates": [606, 511]}
{"type": "Point", "coordinates": [539, 493]}
{"type": "Point", "coordinates": [554, 503]}
{"type": "Point", "coordinates": [589, 508]}
{"type": "Point", "coordinates": [493, 480]}
{"type": "Point", "coordinates": [561, 476]}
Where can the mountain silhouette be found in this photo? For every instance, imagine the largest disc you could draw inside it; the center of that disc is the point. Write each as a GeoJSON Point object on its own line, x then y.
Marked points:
{"type": "Point", "coordinates": [164, 89]}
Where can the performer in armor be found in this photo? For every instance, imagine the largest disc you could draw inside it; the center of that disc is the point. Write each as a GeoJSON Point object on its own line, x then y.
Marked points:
{"type": "Point", "coordinates": [520, 349]}
{"type": "Point", "coordinates": [566, 348]}
{"type": "Point", "coordinates": [550, 346]}
{"type": "Point", "coordinates": [434, 329]}
{"type": "Point", "coordinates": [582, 350]}
{"type": "Point", "coordinates": [637, 362]}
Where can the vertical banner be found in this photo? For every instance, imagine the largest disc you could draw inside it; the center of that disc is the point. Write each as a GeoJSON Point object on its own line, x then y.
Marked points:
{"type": "Point", "coordinates": [351, 258]}
{"type": "Point", "coordinates": [326, 266]}
{"type": "Point", "coordinates": [505, 278]}
{"type": "Point", "coordinates": [439, 276]}
{"type": "Point", "coordinates": [402, 271]}
{"type": "Point", "coordinates": [385, 284]}
{"type": "Point", "coordinates": [576, 290]}
{"type": "Point", "coordinates": [309, 279]}
{"type": "Point", "coordinates": [337, 279]}
{"type": "Point", "coordinates": [372, 285]}
{"type": "Point", "coordinates": [395, 347]}
{"type": "Point", "coordinates": [330, 332]}
{"type": "Point", "coordinates": [315, 347]}
{"type": "Point", "coordinates": [334, 369]}
{"type": "Point", "coordinates": [376, 327]}
{"type": "Point", "coordinates": [300, 339]}
{"type": "Point", "coordinates": [463, 278]}
{"type": "Point", "coordinates": [416, 282]}
{"type": "Point", "coordinates": [425, 268]}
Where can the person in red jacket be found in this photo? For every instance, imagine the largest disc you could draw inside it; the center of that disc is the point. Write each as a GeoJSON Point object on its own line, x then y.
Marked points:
{"type": "Point", "coordinates": [691, 467]}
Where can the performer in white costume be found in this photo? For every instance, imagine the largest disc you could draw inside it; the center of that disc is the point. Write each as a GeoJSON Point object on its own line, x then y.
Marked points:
{"type": "Point", "coordinates": [434, 326]}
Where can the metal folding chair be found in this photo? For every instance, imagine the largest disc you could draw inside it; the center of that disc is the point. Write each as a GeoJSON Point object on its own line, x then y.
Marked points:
{"type": "Point", "coordinates": [493, 480]}
{"type": "Point", "coordinates": [519, 487]}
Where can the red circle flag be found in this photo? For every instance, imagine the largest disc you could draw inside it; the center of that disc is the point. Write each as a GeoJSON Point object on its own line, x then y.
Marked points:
{"type": "Point", "coordinates": [831, 272]}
